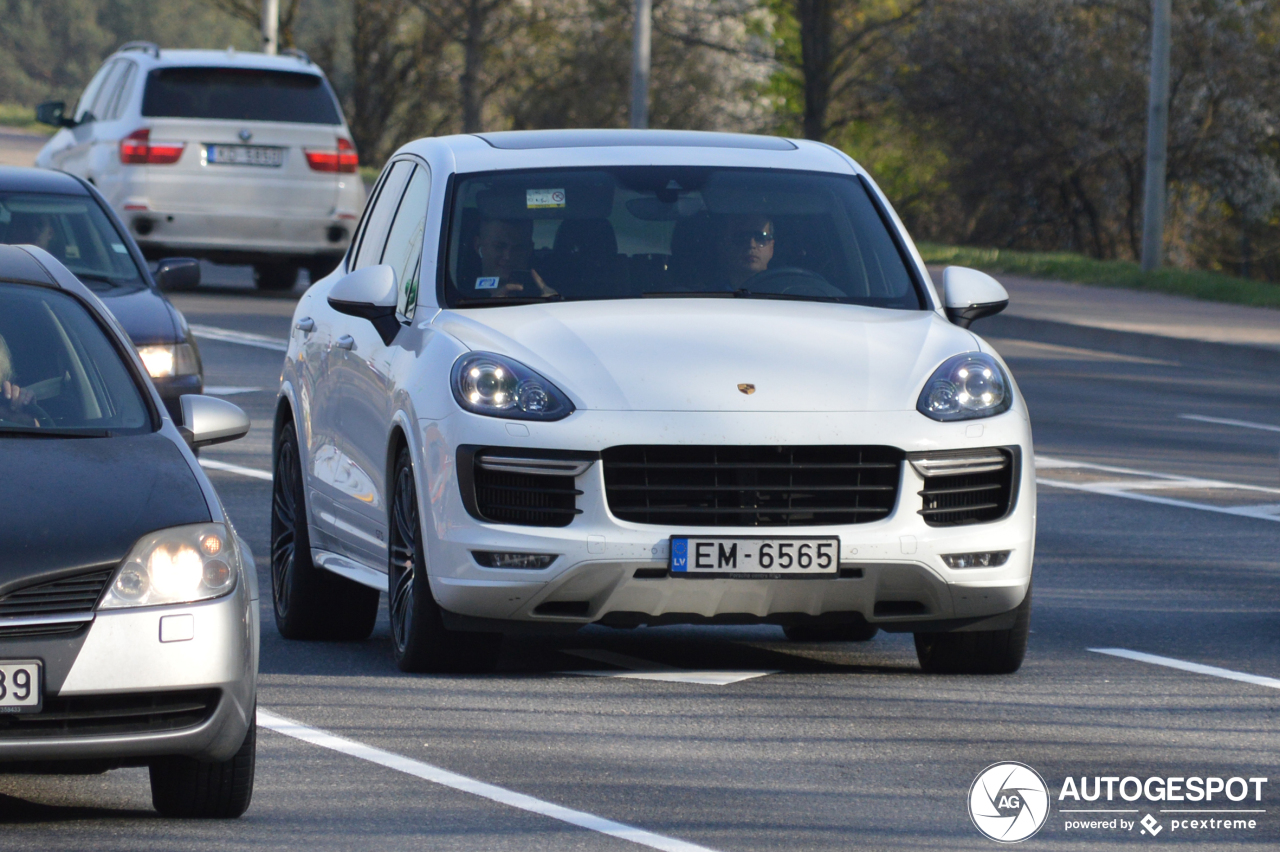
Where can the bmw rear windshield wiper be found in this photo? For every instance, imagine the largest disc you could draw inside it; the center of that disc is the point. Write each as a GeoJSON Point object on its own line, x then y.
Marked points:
{"type": "Point", "coordinates": [37, 432]}
{"type": "Point", "coordinates": [514, 300]}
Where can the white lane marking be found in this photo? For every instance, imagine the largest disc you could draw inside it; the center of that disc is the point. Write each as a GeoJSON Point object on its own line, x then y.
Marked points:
{"type": "Point", "coordinates": [637, 669]}
{"type": "Point", "coordinates": [227, 335]}
{"type": "Point", "coordinates": [1130, 489]}
{"type": "Point", "coordinates": [228, 390]}
{"type": "Point", "coordinates": [1183, 665]}
{"type": "Point", "coordinates": [252, 472]}
{"type": "Point", "coordinates": [1223, 421]}
{"type": "Point", "coordinates": [493, 793]}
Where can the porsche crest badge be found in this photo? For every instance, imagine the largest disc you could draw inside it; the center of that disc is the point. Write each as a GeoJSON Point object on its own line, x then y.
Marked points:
{"type": "Point", "coordinates": [747, 389]}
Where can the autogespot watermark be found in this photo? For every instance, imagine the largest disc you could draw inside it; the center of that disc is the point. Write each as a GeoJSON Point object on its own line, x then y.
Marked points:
{"type": "Point", "coordinates": [1009, 802]}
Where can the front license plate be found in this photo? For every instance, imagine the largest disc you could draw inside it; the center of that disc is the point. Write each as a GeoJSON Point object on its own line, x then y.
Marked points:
{"type": "Point", "coordinates": [755, 557]}
{"type": "Point", "coordinates": [20, 684]}
{"type": "Point", "coordinates": [246, 155]}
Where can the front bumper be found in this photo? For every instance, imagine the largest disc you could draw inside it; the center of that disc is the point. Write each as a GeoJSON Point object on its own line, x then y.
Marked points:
{"type": "Point", "coordinates": [122, 654]}
{"type": "Point", "coordinates": [613, 572]}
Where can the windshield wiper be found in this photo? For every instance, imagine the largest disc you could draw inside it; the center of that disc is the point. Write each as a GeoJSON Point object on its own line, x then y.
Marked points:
{"type": "Point", "coordinates": [513, 300]}
{"type": "Point", "coordinates": [37, 432]}
{"type": "Point", "coordinates": [791, 297]}
{"type": "Point", "coordinates": [689, 294]}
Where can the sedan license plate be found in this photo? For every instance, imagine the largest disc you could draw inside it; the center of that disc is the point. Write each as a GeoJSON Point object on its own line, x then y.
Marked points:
{"type": "Point", "coordinates": [245, 155]}
{"type": "Point", "coordinates": [20, 684]}
{"type": "Point", "coordinates": [755, 558]}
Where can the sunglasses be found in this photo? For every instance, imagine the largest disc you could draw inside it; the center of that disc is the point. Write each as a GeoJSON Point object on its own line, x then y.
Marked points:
{"type": "Point", "coordinates": [743, 237]}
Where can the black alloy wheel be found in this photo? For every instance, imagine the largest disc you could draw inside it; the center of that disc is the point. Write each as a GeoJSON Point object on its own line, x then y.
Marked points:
{"type": "Point", "coordinates": [309, 602]}
{"type": "Point", "coordinates": [977, 651]}
{"type": "Point", "coordinates": [419, 640]}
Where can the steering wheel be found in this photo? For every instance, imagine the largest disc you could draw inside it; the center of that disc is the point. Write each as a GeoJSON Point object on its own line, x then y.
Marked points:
{"type": "Point", "coordinates": [43, 419]}
{"type": "Point", "coordinates": [791, 281]}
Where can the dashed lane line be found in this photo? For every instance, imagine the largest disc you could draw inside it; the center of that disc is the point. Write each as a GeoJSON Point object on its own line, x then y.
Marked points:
{"type": "Point", "coordinates": [493, 793]}
{"type": "Point", "coordinates": [1183, 665]}
{"type": "Point", "coordinates": [251, 472]}
{"type": "Point", "coordinates": [1223, 421]}
{"type": "Point", "coordinates": [244, 338]}
{"type": "Point", "coordinates": [633, 668]}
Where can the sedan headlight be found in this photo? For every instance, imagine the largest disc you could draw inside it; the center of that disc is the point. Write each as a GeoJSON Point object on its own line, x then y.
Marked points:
{"type": "Point", "coordinates": [495, 385]}
{"type": "Point", "coordinates": [169, 360]}
{"type": "Point", "coordinates": [177, 565]}
{"type": "Point", "coordinates": [966, 387]}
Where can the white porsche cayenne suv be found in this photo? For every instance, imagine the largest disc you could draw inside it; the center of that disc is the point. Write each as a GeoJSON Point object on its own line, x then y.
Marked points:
{"type": "Point", "coordinates": [233, 157]}
{"type": "Point", "coordinates": [642, 378]}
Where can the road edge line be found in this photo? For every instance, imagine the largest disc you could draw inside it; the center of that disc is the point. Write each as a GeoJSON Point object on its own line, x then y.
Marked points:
{"type": "Point", "coordinates": [1183, 665]}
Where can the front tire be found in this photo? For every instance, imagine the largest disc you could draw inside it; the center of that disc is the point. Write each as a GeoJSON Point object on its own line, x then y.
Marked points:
{"type": "Point", "coordinates": [309, 602]}
{"type": "Point", "coordinates": [206, 789]}
{"type": "Point", "coordinates": [979, 651]}
{"type": "Point", "coordinates": [419, 640]}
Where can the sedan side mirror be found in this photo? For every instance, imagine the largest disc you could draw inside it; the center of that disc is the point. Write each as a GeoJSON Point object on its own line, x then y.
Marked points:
{"type": "Point", "coordinates": [970, 295]}
{"type": "Point", "coordinates": [54, 113]}
{"type": "Point", "coordinates": [208, 420]}
{"type": "Point", "coordinates": [178, 273]}
{"type": "Point", "coordinates": [369, 293]}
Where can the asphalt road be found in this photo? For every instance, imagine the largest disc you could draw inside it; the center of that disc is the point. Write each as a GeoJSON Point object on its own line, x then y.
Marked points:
{"type": "Point", "coordinates": [1157, 535]}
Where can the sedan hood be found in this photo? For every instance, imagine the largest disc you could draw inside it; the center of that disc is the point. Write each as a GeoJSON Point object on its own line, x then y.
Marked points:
{"type": "Point", "coordinates": [70, 504]}
{"type": "Point", "coordinates": [143, 313]}
{"type": "Point", "coordinates": [693, 354]}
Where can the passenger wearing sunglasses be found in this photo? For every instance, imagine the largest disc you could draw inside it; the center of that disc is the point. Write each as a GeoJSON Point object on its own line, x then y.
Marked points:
{"type": "Point", "coordinates": [745, 247]}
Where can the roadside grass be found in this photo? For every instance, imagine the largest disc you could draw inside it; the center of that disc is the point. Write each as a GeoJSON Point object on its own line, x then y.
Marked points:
{"type": "Point", "coordinates": [22, 117]}
{"type": "Point", "coordinates": [1065, 266]}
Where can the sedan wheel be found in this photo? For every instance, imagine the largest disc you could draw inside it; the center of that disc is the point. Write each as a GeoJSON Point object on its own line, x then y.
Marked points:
{"type": "Point", "coordinates": [419, 640]}
{"type": "Point", "coordinates": [310, 603]}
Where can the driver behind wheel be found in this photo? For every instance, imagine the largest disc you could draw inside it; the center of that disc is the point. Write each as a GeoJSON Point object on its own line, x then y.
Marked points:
{"type": "Point", "coordinates": [13, 399]}
{"type": "Point", "coordinates": [744, 247]}
{"type": "Point", "coordinates": [505, 247]}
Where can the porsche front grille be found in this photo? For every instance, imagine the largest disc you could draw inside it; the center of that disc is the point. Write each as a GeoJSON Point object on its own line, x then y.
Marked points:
{"type": "Point", "coordinates": [755, 486]}
{"type": "Point", "coordinates": [966, 486]}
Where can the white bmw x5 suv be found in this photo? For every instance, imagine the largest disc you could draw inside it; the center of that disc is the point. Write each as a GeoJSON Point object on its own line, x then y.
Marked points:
{"type": "Point", "coordinates": [640, 378]}
{"type": "Point", "coordinates": [232, 157]}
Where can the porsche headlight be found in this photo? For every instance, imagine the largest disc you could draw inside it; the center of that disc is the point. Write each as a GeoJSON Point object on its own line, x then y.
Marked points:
{"type": "Point", "coordinates": [495, 385]}
{"type": "Point", "coordinates": [177, 565]}
{"type": "Point", "coordinates": [169, 360]}
{"type": "Point", "coordinates": [965, 387]}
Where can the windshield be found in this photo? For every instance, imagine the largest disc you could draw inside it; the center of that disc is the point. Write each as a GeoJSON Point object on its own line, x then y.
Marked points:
{"type": "Point", "coordinates": [59, 373]}
{"type": "Point", "coordinates": [73, 229]}
{"type": "Point", "coordinates": [239, 94]}
{"type": "Point", "coordinates": [671, 231]}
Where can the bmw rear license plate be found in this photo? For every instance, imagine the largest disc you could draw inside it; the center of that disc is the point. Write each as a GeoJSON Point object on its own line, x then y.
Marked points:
{"type": "Point", "coordinates": [245, 155]}
{"type": "Point", "coordinates": [20, 683]}
{"type": "Point", "coordinates": [755, 557]}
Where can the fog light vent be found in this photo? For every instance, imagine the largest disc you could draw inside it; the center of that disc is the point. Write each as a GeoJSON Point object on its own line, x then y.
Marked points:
{"type": "Point", "coordinates": [989, 559]}
{"type": "Point", "coordinates": [500, 559]}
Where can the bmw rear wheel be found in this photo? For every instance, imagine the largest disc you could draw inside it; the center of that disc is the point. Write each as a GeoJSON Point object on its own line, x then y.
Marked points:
{"type": "Point", "coordinates": [419, 640]}
{"type": "Point", "coordinates": [309, 602]}
{"type": "Point", "coordinates": [978, 651]}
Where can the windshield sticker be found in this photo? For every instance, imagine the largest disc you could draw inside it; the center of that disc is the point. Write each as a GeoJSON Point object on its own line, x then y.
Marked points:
{"type": "Point", "coordinates": [72, 252]}
{"type": "Point", "coordinates": [490, 283]}
{"type": "Point", "coordinates": [5, 216]}
{"type": "Point", "coordinates": [538, 199]}
{"type": "Point", "coordinates": [119, 248]}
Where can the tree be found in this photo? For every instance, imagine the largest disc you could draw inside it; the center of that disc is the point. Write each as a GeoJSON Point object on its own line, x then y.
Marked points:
{"type": "Point", "coordinates": [250, 12]}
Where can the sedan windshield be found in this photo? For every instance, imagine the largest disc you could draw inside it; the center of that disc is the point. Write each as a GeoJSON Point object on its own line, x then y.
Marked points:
{"type": "Point", "coordinates": [672, 231]}
{"type": "Point", "coordinates": [73, 229]}
{"type": "Point", "coordinates": [59, 373]}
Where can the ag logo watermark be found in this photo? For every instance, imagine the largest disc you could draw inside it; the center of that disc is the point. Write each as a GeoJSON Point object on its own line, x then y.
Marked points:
{"type": "Point", "coordinates": [1009, 802]}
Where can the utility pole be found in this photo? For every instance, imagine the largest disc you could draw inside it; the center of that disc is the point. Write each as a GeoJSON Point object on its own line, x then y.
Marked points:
{"type": "Point", "coordinates": [1154, 196]}
{"type": "Point", "coordinates": [270, 26]}
{"type": "Point", "coordinates": [640, 64]}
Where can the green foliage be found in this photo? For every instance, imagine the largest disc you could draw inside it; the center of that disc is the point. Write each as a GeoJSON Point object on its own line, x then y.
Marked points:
{"type": "Point", "coordinates": [22, 117]}
{"type": "Point", "coordinates": [1067, 266]}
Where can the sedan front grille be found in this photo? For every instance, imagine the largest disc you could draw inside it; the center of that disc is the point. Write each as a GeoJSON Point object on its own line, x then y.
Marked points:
{"type": "Point", "coordinates": [967, 487]}
{"type": "Point", "coordinates": [78, 594]}
{"type": "Point", "coordinates": [107, 715]}
{"type": "Point", "coordinates": [754, 486]}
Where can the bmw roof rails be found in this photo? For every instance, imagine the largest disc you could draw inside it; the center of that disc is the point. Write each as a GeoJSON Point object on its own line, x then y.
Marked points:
{"type": "Point", "coordinates": [295, 52]}
{"type": "Point", "coordinates": [144, 46]}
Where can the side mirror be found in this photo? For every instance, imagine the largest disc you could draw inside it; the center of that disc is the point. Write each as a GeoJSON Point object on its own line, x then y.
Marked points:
{"type": "Point", "coordinates": [178, 273]}
{"type": "Point", "coordinates": [969, 295]}
{"type": "Point", "coordinates": [54, 113]}
{"type": "Point", "coordinates": [208, 420]}
{"type": "Point", "coordinates": [369, 293]}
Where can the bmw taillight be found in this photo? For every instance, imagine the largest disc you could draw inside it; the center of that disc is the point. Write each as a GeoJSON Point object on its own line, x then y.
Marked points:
{"type": "Point", "coordinates": [344, 159]}
{"type": "Point", "coordinates": [137, 149]}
